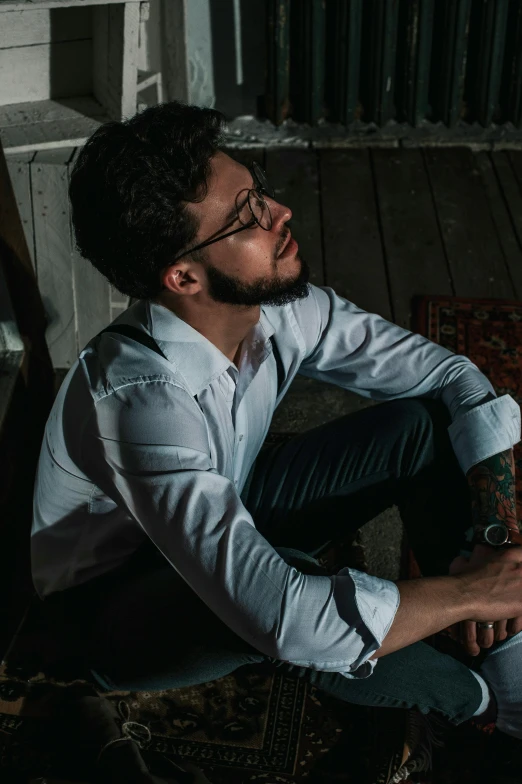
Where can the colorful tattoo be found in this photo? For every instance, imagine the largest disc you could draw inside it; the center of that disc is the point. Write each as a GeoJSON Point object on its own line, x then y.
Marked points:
{"type": "Point", "coordinates": [492, 485]}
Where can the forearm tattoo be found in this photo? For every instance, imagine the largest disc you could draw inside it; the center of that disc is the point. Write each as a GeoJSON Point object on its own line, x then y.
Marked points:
{"type": "Point", "coordinates": [492, 485]}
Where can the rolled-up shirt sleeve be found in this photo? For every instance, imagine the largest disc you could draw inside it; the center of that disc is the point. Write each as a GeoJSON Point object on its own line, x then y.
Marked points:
{"type": "Point", "coordinates": [149, 452]}
{"type": "Point", "coordinates": [375, 358]}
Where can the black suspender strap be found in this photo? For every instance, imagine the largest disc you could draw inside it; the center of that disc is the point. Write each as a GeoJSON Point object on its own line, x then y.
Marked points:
{"type": "Point", "coordinates": [135, 334]}
{"type": "Point", "coordinates": [279, 363]}
{"type": "Point", "coordinates": [141, 337]}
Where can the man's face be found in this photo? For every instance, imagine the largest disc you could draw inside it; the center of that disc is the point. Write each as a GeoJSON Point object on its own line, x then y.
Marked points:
{"type": "Point", "coordinates": [254, 266]}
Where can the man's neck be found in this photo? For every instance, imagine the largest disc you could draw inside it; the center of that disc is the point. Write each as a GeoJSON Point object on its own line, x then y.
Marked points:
{"type": "Point", "coordinates": [226, 326]}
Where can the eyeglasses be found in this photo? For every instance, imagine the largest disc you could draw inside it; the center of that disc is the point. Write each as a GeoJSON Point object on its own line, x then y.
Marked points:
{"type": "Point", "coordinates": [251, 210]}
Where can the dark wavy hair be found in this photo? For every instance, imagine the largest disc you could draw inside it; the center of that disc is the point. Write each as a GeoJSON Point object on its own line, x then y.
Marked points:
{"type": "Point", "coordinates": [130, 186]}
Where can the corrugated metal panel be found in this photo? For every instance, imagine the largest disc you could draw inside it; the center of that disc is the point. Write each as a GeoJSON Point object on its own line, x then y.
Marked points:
{"type": "Point", "coordinates": [278, 60]}
{"type": "Point", "coordinates": [491, 58]}
{"type": "Point", "coordinates": [318, 18]}
{"type": "Point", "coordinates": [344, 25]}
{"type": "Point", "coordinates": [449, 96]}
{"type": "Point", "coordinates": [511, 86]}
{"type": "Point", "coordinates": [381, 18]}
{"type": "Point", "coordinates": [408, 60]}
{"type": "Point", "coordinates": [308, 44]}
{"type": "Point", "coordinates": [415, 71]}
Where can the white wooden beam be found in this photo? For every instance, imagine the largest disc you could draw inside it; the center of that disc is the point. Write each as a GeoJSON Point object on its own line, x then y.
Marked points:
{"type": "Point", "coordinates": [43, 125]}
{"type": "Point", "coordinates": [187, 51]}
{"type": "Point", "coordinates": [116, 40]}
{"type": "Point", "coordinates": [54, 252]}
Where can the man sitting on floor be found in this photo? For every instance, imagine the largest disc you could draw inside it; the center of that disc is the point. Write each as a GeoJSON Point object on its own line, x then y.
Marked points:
{"type": "Point", "coordinates": [182, 550]}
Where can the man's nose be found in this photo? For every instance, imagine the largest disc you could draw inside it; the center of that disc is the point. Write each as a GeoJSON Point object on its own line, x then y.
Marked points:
{"type": "Point", "coordinates": [281, 214]}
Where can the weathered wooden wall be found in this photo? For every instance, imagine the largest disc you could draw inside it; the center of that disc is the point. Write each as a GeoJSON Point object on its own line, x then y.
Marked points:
{"type": "Point", "coordinates": [78, 301]}
{"type": "Point", "coordinates": [45, 54]}
{"type": "Point", "coordinates": [64, 70]}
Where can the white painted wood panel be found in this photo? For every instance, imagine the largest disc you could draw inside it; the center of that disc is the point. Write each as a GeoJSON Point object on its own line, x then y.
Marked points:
{"type": "Point", "coordinates": [20, 175]}
{"type": "Point", "coordinates": [46, 124]}
{"type": "Point", "coordinates": [10, 367]}
{"type": "Point", "coordinates": [43, 71]}
{"type": "Point", "coordinates": [50, 111]}
{"type": "Point", "coordinates": [100, 43]}
{"type": "Point", "coordinates": [116, 72]}
{"type": "Point", "coordinates": [175, 46]}
{"type": "Point", "coordinates": [49, 178]}
{"type": "Point", "coordinates": [10, 340]}
{"type": "Point", "coordinates": [130, 42]}
{"type": "Point", "coordinates": [92, 297]}
{"type": "Point", "coordinates": [27, 28]}
{"type": "Point", "coordinates": [11, 348]}
{"type": "Point", "coordinates": [48, 136]}
{"type": "Point", "coordinates": [15, 5]}
{"type": "Point", "coordinates": [119, 302]}
{"type": "Point", "coordinates": [104, 76]}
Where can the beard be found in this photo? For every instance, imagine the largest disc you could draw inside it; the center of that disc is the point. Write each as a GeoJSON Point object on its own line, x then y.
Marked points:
{"type": "Point", "coordinates": [278, 291]}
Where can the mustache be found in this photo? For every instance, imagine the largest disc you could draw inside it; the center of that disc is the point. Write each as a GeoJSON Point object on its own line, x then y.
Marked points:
{"type": "Point", "coordinates": [280, 244]}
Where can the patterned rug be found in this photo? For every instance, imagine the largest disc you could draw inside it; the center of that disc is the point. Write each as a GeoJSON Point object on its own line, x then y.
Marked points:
{"type": "Point", "coordinates": [250, 726]}
{"type": "Point", "coordinates": [256, 726]}
{"type": "Point", "coordinates": [487, 331]}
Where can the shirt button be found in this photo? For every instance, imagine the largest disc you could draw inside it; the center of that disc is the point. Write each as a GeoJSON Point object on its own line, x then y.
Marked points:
{"type": "Point", "coordinates": [241, 437]}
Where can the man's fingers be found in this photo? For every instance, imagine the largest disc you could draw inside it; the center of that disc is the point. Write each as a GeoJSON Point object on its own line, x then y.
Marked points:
{"type": "Point", "coordinates": [458, 565]}
{"type": "Point", "coordinates": [500, 632]}
{"type": "Point", "coordinates": [514, 626]}
{"type": "Point", "coordinates": [453, 631]}
{"type": "Point", "coordinates": [468, 637]}
{"type": "Point", "coordinates": [513, 553]}
{"type": "Point", "coordinates": [486, 637]}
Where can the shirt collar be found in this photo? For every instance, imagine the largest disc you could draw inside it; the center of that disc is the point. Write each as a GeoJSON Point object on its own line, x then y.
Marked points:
{"type": "Point", "coordinates": [197, 359]}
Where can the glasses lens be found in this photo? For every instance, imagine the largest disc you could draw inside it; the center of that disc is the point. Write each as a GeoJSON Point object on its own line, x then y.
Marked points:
{"type": "Point", "coordinates": [260, 211]}
{"type": "Point", "coordinates": [261, 180]}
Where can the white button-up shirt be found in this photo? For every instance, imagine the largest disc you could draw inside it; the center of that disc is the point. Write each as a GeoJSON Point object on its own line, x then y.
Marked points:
{"type": "Point", "coordinates": [138, 445]}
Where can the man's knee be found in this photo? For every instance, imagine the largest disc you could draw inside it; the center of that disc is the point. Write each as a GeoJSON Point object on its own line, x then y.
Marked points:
{"type": "Point", "coordinates": [300, 560]}
{"type": "Point", "coordinates": [422, 437]}
{"type": "Point", "coordinates": [425, 412]}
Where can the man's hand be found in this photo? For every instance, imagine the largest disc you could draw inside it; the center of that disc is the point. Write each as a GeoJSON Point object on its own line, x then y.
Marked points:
{"type": "Point", "coordinates": [474, 637]}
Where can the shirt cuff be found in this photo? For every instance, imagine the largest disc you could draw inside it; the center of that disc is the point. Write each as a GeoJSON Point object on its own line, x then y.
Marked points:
{"type": "Point", "coordinates": [377, 601]}
{"type": "Point", "coordinates": [486, 430]}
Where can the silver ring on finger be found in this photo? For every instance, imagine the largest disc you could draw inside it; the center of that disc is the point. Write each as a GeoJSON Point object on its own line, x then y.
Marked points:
{"type": "Point", "coordinates": [484, 625]}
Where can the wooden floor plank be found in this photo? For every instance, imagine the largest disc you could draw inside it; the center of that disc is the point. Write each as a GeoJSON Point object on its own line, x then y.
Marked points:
{"type": "Point", "coordinates": [475, 257]}
{"type": "Point", "coordinates": [354, 261]}
{"type": "Point", "coordinates": [293, 175]}
{"type": "Point", "coordinates": [505, 203]}
{"type": "Point", "coordinates": [515, 156]}
{"type": "Point", "coordinates": [413, 247]}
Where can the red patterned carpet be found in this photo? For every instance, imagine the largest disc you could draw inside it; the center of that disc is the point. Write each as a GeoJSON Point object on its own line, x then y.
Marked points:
{"type": "Point", "coordinates": [489, 332]}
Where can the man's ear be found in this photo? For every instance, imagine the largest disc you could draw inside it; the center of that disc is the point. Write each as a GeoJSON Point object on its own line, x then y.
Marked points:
{"type": "Point", "coordinates": [182, 278]}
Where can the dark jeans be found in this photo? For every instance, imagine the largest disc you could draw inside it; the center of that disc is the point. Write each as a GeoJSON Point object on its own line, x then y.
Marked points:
{"type": "Point", "coordinates": [143, 628]}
